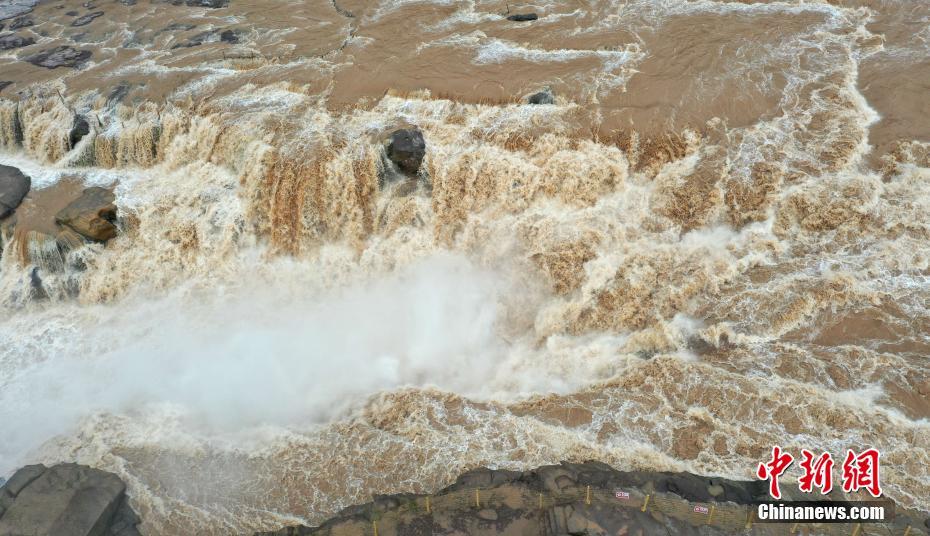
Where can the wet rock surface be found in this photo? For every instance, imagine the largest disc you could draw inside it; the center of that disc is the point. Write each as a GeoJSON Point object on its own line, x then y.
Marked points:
{"type": "Point", "coordinates": [22, 22]}
{"type": "Point", "coordinates": [61, 56]}
{"type": "Point", "coordinates": [406, 149]}
{"type": "Point", "coordinates": [212, 4]}
{"type": "Point", "coordinates": [571, 498]}
{"type": "Point", "coordinates": [523, 17]}
{"type": "Point", "coordinates": [65, 500]}
{"type": "Point", "coordinates": [86, 19]}
{"type": "Point", "coordinates": [11, 41]}
{"type": "Point", "coordinates": [14, 185]}
{"type": "Point", "coordinates": [79, 129]}
{"type": "Point", "coordinates": [92, 215]}
{"type": "Point", "coordinates": [15, 8]}
{"type": "Point", "coordinates": [542, 97]}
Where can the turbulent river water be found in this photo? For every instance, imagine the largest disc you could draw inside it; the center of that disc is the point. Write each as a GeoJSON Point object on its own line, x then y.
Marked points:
{"type": "Point", "coordinates": [716, 239]}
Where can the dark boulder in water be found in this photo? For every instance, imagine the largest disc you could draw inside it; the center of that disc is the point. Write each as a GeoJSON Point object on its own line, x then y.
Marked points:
{"type": "Point", "coordinates": [67, 499]}
{"type": "Point", "coordinates": [543, 97]}
{"type": "Point", "coordinates": [5, 84]}
{"type": "Point", "coordinates": [14, 185]}
{"type": "Point", "coordinates": [11, 41]}
{"type": "Point", "coordinates": [86, 19]}
{"type": "Point", "coordinates": [79, 129]}
{"type": "Point", "coordinates": [213, 4]}
{"type": "Point", "coordinates": [61, 56]}
{"type": "Point", "coordinates": [523, 17]}
{"type": "Point", "coordinates": [93, 215]}
{"type": "Point", "coordinates": [22, 22]}
{"type": "Point", "coordinates": [407, 149]}
{"type": "Point", "coordinates": [229, 36]}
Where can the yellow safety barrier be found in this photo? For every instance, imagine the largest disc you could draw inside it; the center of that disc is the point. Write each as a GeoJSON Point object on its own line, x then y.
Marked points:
{"type": "Point", "coordinates": [646, 503]}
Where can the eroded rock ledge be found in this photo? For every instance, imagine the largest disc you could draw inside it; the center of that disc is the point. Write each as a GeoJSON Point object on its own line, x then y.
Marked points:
{"type": "Point", "coordinates": [589, 498]}
{"type": "Point", "coordinates": [65, 500]}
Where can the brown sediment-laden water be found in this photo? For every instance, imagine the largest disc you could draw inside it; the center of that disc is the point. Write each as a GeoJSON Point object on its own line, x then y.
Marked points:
{"type": "Point", "coordinates": [711, 236]}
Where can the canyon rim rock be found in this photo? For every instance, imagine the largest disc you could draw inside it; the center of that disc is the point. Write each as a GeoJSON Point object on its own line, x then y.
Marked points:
{"type": "Point", "coordinates": [92, 214]}
{"type": "Point", "coordinates": [407, 149]}
{"type": "Point", "coordinates": [589, 498]}
{"type": "Point", "coordinates": [14, 185]}
{"type": "Point", "coordinates": [65, 500]}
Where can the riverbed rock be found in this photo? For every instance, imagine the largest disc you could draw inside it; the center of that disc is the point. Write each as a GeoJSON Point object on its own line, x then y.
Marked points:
{"type": "Point", "coordinates": [11, 41]}
{"type": "Point", "coordinates": [84, 20]}
{"type": "Point", "coordinates": [14, 185]}
{"type": "Point", "coordinates": [79, 128]}
{"type": "Point", "coordinates": [14, 8]}
{"type": "Point", "coordinates": [21, 22]}
{"type": "Point", "coordinates": [92, 215]}
{"type": "Point", "coordinates": [406, 149]}
{"type": "Point", "coordinates": [65, 500]}
{"type": "Point", "coordinates": [543, 97]}
{"type": "Point", "coordinates": [523, 17]}
{"type": "Point", "coordinates": [60, 56]}
{"type": "Point", "coordinates": [212, 4]}
{"type": "Point", "coordinates": [5, 84]}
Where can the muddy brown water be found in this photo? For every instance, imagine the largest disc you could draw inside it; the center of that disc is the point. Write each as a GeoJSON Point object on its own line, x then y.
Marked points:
{"type": "Point", "coordinates": [714, 241]}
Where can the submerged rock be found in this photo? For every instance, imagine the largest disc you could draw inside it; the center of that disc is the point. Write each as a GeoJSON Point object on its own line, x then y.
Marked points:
{"type": "Point", "coordinates": [407, 149]}
{"type": "Point", "coordinates": [11, 41]}
{"type": "Point", "coordinates": [93, 215]}
{"type": "Point", "coordinates": [523, 17]}
{"type": "Point", "coordinates": [61, 56]}
{"type": "Point", "coordinates": [86, 19]}
{"type": "Point", "coordinates": [65, 500]}
{"type": "Point", "coordinates": [14, 185]}
{"type": "Point", "coordinates": [5, 84]}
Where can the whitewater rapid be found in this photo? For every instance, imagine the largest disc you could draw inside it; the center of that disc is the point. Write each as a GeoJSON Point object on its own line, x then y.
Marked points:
{"type": "Point", "coordinates": [713, 242]}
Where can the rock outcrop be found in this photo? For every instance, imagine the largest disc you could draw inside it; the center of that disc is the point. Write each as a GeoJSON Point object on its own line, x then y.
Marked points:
{"type": "Point", "coordinates": [14, 185]}
{"type": "Point", "coordinates": [406, 149]}
{"type": "Point", "coordinates": [61, 56]}
{"type": "Point", "coordinates": [523, 17]}
{"type": "Point", "coordinates": [86, 19]}
{"type": "Point", "coordinates": [22, 22]}
{"type": "Point", "coordinates": [65, 500]}
{"type": "Point", "coordinates": [11, 41]}
{"type": "Point", "coordinates": [79, 128]}
{"type": "Point", "coordinates": [212, 4]}
{"type": "Point", "coordinates": [543, 97]}
{"type": "Point", "coordinates": [92, 215]}
{"type": "Point", "coordinates": [590, 498]}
